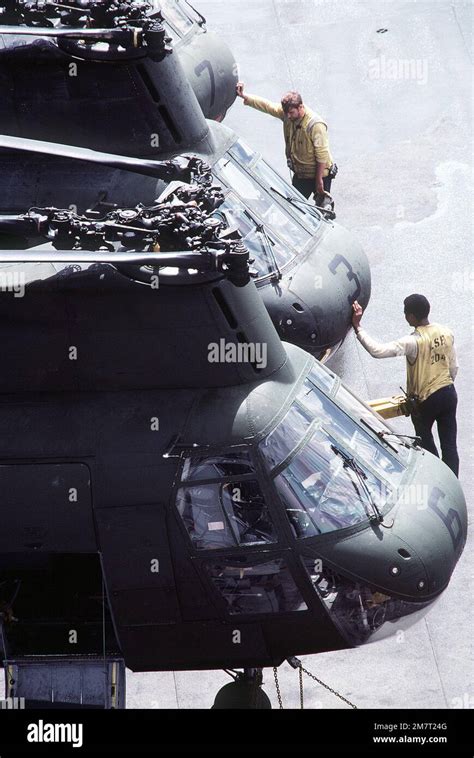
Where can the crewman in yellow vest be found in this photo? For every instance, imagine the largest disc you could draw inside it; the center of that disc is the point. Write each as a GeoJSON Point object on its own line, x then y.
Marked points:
{"type": "Point", "coordinates": [306, 141]}
{"type": "Point", "coordinates": [431, 370]}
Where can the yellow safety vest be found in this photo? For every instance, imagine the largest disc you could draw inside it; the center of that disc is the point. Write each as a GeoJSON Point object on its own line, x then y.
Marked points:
{"type": "Point", "coordinates": [430, 370]}
{"type": "Point", "coordinates": [306, 142]}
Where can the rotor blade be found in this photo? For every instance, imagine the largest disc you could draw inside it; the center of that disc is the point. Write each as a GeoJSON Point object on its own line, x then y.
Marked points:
{"type": "Point", "coordinates": [157, 169]}
{"type": "Point", "coordinates": [134, 36]}
{"type": "Point", "coordinates": [179, 259]}
{"type": "Point", "coordinates": [19, 224]}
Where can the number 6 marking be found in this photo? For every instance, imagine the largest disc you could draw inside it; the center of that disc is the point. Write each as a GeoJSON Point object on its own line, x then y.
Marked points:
{"type": "Point", "coordinates": [449, 519]}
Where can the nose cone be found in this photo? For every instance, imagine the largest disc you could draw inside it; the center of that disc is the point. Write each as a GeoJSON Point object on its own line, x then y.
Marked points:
{"type": "Point", "coordinates": [386, 577]}
{"type": "Point", "coordinates": [431, 518]}
{"type": "Point", "coordinates": [316, 304]}
{"type": "Point", "coordinates": [212, 71]}
{"type": "Point", "coordinates": [414, 555]}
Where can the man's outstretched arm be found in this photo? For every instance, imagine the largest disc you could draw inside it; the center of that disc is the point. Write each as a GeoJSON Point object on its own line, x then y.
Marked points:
{"type": "Point", "coordinates": [260, 103]}
{"type": "Point", "coordinates": [404, 346]}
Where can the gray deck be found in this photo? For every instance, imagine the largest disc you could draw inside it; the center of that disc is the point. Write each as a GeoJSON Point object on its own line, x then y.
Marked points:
{"type": "Point", "coordinates": [404, 152]}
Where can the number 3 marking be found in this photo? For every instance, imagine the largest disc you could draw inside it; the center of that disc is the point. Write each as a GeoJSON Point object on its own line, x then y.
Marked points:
{"type": "Point", "coordinates": [334, 265]}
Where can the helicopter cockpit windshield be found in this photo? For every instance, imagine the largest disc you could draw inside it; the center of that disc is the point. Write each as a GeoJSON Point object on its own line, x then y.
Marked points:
{"type": "Point", "coordinates": [255, 164]}
{"type": "Point", "coordinates": [266, 250]}
{"type": "Point", "coordinates": [277, 226]}
{"type": "Point", "coordinates": [330, 473]}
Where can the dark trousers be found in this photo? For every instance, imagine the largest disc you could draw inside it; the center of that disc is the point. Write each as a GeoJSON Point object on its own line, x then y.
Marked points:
{"type": "Point", "coordinates": [307, 186]}
{"type": "Point", "coordinates": [439, 407]}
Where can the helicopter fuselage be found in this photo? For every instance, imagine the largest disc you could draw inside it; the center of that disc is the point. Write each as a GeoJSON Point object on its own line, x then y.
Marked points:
{"type": "Point", "coordinates": [242, 513]}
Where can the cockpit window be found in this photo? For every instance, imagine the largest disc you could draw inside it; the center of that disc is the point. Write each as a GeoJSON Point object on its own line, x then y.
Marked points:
{"type": "Point", "coordinates": [225, 514]}
{"type": "Point", "coordinates": [265, 249]}
{"type": "Point", "coordinates": [330, 472]}
{"type": "Point", "coordinates": [322, 377]}
{"type": "Point", "coordinates": [243, 154]}
{"type": "Point", "coordinates": [363, 412]}
{"type": "Point", "coordinates": [276, 447]}
{"type": "Point", "coordinates": [321, 492]}
{"type": "Point", "coordinates": [309, 214]}
{"type": "Point", "coordinates": [259, 201]}
{"type": "Point", "coordinates": [357, 408]}
{"type": "Point", "coordinates": [175, 14]}
{"type": "Point", "coordinates": [257, 588]}
{"type": "Point", "coordinates": [217, 467]}
{"type": "Point", "coordinates": [354, 438]}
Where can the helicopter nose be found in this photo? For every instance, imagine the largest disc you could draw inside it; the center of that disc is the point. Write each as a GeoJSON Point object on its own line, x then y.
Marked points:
{"type": "Point", "coordinates": [431, 519]}
{"type": "Point", "coordinates": [412, 554]}
{"type": "Point", "coordinates": [384, 578]}
{"type": "Point", "coordinates": [322, 289]}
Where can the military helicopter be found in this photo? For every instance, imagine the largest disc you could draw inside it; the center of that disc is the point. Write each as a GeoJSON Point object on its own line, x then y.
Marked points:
{"type": "Point", "coordinates": [207, 61]}
{"type": "Point", "coordinates": [180, 489]}
{"type": "Point", "coordinates": [309, 268]}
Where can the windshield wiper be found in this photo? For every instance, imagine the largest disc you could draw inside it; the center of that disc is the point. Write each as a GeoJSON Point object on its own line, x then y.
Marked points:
{"type": "Point", "coordinates": [378, 433]}
{"type": "Point", "coordinates": [381, 434]}
{"type": "Point", "coordinates": [415, 438]}
{"type": "Point", "coordinates": [326, 212]}
{"type": "Point", "coordinates": [295, 200]}
{"type": "Point", "coordinates": [261, 229]}
{"type": "Point", "coordinates": [351, 463]}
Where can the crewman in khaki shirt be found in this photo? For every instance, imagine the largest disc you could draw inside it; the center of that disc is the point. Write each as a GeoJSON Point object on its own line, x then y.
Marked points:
{"type": "Point", "coordinates": [306, 141]}
{"type": "Point", "coordinates": [431, 369]}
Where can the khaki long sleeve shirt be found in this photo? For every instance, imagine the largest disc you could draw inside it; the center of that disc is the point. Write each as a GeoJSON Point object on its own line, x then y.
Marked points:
{"type": "Point", "coordinates": [306, 140]}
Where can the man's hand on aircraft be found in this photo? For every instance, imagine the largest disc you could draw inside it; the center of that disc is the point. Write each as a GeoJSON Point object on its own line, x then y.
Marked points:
{"type": "Point", "coordinates": [357, 312]}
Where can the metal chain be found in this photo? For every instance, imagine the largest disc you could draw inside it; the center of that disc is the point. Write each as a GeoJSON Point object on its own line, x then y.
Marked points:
{"type": "Point", "coordinates": [277, 685]}
{"type": "Point", "coordinates": [334, 692]}
{"type": "Point", "coordinates": [295, 663]}
{"type": "Point", "coordinates": [300, 671]}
